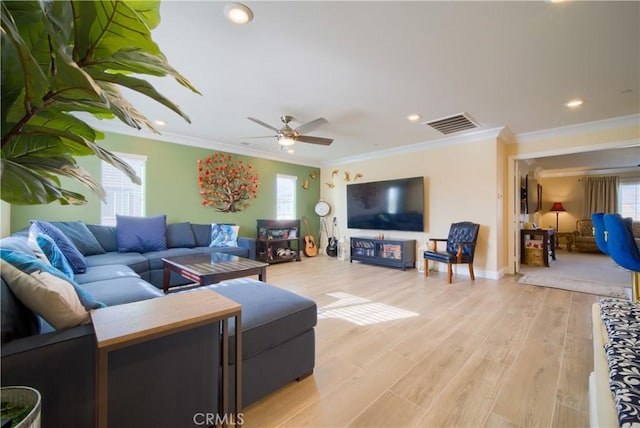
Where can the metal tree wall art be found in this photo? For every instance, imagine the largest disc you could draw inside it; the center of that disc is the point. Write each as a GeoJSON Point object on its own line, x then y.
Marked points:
{"type": "Point", "coordinates": [226, 185]}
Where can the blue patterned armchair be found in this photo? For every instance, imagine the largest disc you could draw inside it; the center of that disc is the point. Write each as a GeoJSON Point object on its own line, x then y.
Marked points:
{"type": "Point", "coordinates": [460, 248]}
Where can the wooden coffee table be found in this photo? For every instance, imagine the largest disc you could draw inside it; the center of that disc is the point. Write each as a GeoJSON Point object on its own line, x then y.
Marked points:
{"type": "Point", "coordinates": [205, 269]}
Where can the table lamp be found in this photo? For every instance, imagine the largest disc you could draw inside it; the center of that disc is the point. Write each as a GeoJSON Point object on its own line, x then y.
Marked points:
{"type": "Point", "coordinates": [557, 208]}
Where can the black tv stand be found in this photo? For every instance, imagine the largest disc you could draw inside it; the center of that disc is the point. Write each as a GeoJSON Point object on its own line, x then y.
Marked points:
{"type": "Point", "coordinates": [399, 253]}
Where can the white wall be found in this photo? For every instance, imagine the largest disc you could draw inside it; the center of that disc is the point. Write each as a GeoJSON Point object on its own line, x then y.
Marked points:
{"type": "Point", "coordinates": [460, 185]}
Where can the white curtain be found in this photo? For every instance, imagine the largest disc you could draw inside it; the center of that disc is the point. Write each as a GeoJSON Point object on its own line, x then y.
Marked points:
{"type": "Point", "coordinates": [600, 195]}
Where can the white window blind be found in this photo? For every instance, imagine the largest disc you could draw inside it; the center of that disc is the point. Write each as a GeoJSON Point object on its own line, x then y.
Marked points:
{"type": "Point", "coordinates": [123, 196]}
{"type": "Point", "coordinates": [286, 197]}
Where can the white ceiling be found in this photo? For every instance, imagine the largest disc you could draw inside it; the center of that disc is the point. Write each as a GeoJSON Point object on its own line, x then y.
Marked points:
{"type": "Point", "coordinates": [365, 66]}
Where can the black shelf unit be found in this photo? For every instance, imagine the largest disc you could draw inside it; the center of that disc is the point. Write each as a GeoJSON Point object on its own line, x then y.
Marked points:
{"type": "Point", "coordinates": [400, 253]}
{"type": "Point", "coordinates": [278, 241]}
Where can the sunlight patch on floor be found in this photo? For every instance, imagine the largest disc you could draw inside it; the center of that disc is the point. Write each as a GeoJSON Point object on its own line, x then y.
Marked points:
{"type": "Point", "coordinates": [361, 311]}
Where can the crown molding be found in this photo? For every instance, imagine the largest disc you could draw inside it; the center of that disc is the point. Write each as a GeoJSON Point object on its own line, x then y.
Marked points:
{"type": "Point", "coordinates": [418, 147]}
{"type": "Point", "coordinates": [580, 172]}
{"type": "Point", "coordinates": [579, 128]}
{"type": "Point", "coordinates": [186, 140]}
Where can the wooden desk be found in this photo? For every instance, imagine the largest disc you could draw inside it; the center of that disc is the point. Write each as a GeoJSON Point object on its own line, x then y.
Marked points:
{"type": "Point", "coordinates": [124, 325]}
{"type": "Point", "coordinates": [548, 243]}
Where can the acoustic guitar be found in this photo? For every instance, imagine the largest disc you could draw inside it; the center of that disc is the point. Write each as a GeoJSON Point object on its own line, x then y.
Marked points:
{"type": "Point", "coordinates": [310, 249]}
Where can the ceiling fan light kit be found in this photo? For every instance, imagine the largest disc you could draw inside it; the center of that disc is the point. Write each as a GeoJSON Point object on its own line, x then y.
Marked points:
{"type": "Point", "coordinates": [287, 136]}
{"type": "Point", "coordinates": [286, 141]}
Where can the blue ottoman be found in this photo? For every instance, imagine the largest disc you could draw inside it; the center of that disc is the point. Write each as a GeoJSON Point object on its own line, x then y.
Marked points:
{"type": "Point", "coordinates": [278, 340]}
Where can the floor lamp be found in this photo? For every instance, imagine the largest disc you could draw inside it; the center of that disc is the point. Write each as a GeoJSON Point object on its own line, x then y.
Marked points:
{"type": "Point", "coordinates": [557, 208]}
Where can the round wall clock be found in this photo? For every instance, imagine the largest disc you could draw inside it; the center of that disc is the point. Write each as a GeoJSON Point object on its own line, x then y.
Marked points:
{"type": "Point", "coordinates": [322, 208]}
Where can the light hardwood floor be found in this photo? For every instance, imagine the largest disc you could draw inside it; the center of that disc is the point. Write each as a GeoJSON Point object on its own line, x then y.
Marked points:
{"type": "Point", "coordinates": [472, 354]}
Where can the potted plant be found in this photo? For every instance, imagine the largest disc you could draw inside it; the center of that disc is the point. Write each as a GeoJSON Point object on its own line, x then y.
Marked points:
{"type": "Point", "coordinates": [60, 58]}
{"type": "Point", "coordinates": [21, 406]}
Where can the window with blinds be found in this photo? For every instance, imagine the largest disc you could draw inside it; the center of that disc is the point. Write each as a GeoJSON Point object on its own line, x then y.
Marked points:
{"type": "Point", "coordinates": [123, 196]}
{"type": "Point", "coordinates": [286, 197]}
{"type": "Point", "coordinates": [629, 198]}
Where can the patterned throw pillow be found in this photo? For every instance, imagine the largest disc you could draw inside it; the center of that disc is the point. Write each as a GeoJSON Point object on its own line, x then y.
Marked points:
{"type": "Point", "coordinates": [74, 257]}
{"type": "Point", "coordinates": [43, 244]}
{"type": "Point", "coordinates": [224, 235]}
{"type": "Point", "coordinates": [622, 320]}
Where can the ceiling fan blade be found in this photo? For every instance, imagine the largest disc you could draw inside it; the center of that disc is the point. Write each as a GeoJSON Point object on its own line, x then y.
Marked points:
{"type": "Point", "coordinates": [259, 137]}
{"type": "Point", "coordinates": [314, 140]}
{"type": "Point", "coordinates": [261, 123]}
{"type": "Point", "coordinates": [310, 126]}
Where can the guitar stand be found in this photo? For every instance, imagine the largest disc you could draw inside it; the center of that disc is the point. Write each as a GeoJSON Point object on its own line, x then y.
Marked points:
{"type": "Point", "coordinates": [323, 230]}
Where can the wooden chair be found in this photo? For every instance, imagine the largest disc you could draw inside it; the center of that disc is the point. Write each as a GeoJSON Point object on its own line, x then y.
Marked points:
{"type": "Point", "coordinates": [460, 248]}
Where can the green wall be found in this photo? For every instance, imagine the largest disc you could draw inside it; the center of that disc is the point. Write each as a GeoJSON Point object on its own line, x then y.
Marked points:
{"type": "Point", "coordinates": [172, 188]}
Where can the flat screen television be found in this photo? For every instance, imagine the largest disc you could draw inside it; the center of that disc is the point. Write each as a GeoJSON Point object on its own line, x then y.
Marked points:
{"type": "Point", "coordinates": [387, 205]}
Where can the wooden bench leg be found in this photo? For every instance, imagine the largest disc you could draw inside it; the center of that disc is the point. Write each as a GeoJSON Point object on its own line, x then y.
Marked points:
{"type": "Point", "coordinates": [473, 277]}
{"type": "Point", "coordinates": [449, 272]}
{"type": "Point", "coordinates": [426, 267]}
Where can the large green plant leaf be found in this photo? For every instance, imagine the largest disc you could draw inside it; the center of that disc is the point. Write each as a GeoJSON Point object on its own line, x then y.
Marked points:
{"type": "Point", "coordinates": [138, 85]}
{"type": "Point", "coordinates": [22, 185]}
{"type": "Point", "coordinates": [141, 62]}
{"type": "Point", "coordinates": [33, 80]}
{"type": "Point", "coordinates": [66, 56]}
{"type": "Point", "coordinates": [114, 24]}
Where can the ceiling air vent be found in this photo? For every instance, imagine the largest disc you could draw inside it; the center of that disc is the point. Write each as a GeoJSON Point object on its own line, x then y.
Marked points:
{"type": "Point", "coordinates": [452, 124]}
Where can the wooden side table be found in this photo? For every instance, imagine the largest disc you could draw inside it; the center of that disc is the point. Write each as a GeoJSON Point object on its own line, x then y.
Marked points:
{"type": "Point", "coordinates": [548, 243]}
{"type": "Point", "coordinates": [120, 326]}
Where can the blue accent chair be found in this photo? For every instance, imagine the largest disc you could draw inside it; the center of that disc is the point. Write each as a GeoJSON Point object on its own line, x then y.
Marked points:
{"type": "Point", "coordinates": [600, 231]}
{"type": "Point", "coordinates": [461, 248]}
{"type": "Point", "coordinates": [623, 249]}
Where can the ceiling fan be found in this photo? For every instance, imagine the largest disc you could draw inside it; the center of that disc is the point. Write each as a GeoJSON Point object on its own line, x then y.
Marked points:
{"type": "Point", "coordinates": [287, 136]}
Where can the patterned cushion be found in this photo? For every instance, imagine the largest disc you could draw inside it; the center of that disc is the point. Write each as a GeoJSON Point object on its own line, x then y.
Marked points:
{"type": "Point", "coordinates": [75, 258]}
{"type": "Point", "coordinates": [51, 252]}
{"type": "Point", "coordinates": [622, 320]}
{"type": "Point", "coordinates": [224, 235]}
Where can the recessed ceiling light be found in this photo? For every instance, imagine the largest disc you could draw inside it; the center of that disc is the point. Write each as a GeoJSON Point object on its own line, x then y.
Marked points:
{"type": "Point", "coordinates": [413, 117]}
{"type": "Point", "coordinates": [160, 122]}
{"type": "Point", "coordinates": [238, 13]}
{"type": "Point", "coordinates": [574, 103]}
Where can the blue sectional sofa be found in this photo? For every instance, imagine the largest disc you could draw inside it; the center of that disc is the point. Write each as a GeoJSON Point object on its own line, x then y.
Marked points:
{"type": "Point", "coordinates": [164, 382]}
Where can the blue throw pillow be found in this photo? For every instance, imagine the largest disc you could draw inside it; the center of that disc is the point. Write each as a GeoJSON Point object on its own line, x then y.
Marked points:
{"type": "Point", "coordinates": [81, 236]}
{"type": "Point", "coordinates": [141, 234]}
{"type": "Point", "coordinates": [202, 234]}
{"type": "Point", "coordinates": [29, 264]}
{"type": "Point", "coordinates": [75, 258]}
{"type": "Point", "coordinates": [180, 235]}
{"type": "Point", "coordinates": [224, 235]}
{"type": "Point", "coordinates": [53, 253]}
